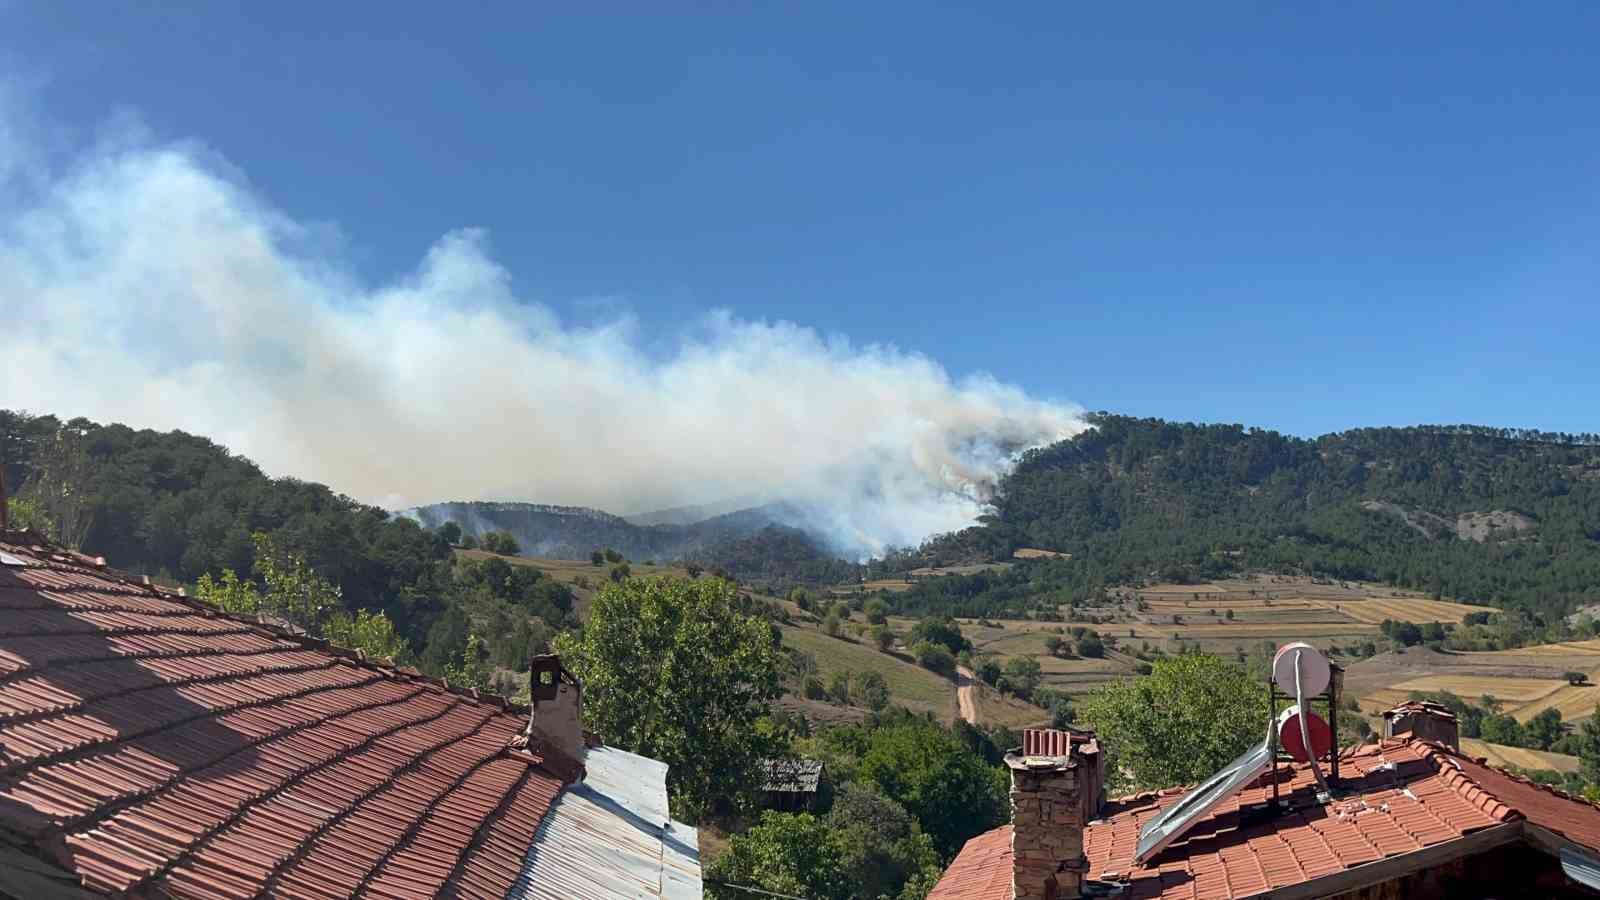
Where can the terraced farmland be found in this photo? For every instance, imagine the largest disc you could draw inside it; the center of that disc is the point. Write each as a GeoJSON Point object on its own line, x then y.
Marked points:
{"type": "Point", "coordinates": [1403, 609]}
{"type": "Point", "coordinates": [1502, 755]}
{"type": "Point", "coordinates": [1515, 693]}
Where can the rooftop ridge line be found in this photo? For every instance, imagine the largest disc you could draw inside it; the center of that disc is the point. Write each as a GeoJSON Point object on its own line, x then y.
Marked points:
{"type": "Point", "coordinates": [270, 629]}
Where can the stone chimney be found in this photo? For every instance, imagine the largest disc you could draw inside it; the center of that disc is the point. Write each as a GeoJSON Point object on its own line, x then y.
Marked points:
{"type": "Point", "coordinates": [1423, 719]}
{"type": "Point", "coordinates": [555, 724]}
{"type": "Point", "coordinates": [1056, 783]}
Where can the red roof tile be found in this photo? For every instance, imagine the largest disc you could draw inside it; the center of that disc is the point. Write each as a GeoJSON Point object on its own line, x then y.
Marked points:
{"type": "Point", "coordinates": [1397, 797]}
{"type": "Point", "coordinates": [150, 743]}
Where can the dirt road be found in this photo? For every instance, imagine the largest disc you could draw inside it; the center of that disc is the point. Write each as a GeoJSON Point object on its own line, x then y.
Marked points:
{"type": "Point", "coordinates": [967, 694]}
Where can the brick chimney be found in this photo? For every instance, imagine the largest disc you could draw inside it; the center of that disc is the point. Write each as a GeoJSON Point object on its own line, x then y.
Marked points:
{"type": "Point", "coordinates": [1423, 719]}
{"type": "Point", "coordinates": [1056, 783]}
{"type": "Point", "coordinates": [556, 721]}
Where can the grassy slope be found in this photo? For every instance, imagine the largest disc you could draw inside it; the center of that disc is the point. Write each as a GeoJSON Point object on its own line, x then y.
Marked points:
{"type": "Point", "coordinates": [1501, 755]}
{"type": "Point", "coordinates": [910, 685]}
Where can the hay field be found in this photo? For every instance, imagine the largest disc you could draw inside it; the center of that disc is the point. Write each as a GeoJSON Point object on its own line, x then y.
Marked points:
{"type": "Point", "coordinates": [1257, 631]}
{"type": "Point", "coordinates": [1572, 701]}
{"type": "Point", "coordinates": [926, 572]}
{"type": "Point", "coordinates": [1403, 609]}
{"type": "Point", "coordinates": [1181, 590]}
{"type": "Point", "coordinates": [1035, 553]}
{"type": "Point", "coordinates": [1568, 648]}
{"type": "Point", "coordinates": [1522, 758]}
{"type": "Point", "coordinates": [1516, 693]}
{"type": "Point", "coordinates": [893, 585]}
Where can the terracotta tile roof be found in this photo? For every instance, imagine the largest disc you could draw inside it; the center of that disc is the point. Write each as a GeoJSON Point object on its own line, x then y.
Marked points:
{"type": "Point", "coordinates": [981, 871]}
{"type": "Point", "coordinates": [151, 745]}
{"type": "Point", "coordinates": [1400, 796]}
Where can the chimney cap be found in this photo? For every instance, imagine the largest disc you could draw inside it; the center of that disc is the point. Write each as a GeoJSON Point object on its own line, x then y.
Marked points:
{"type": "Point", "coordinates": [1427, 707]}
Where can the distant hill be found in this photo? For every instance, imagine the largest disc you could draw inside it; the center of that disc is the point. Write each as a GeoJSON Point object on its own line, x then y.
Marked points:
{"type": "Point", "coordinates": [689, 515]}
{"type": "Point", "coordinates": [574, 532]}
{"type": "Point", "coordinates": [1504, 516]}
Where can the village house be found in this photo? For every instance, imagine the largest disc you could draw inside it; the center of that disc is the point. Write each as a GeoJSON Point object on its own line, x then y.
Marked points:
{"type": "Point", "coordinates": [153, 746]}
{"type": "Point", "coordinates": [1411, 817]}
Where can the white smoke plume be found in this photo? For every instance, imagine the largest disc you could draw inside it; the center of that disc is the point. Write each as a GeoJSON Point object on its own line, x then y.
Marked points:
{"type": "Point", "coordinates": [145, 282]}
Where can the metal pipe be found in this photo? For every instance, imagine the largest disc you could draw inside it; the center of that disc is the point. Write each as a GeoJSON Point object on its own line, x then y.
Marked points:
{"type": "Point", "coordinates": [1305, 730]}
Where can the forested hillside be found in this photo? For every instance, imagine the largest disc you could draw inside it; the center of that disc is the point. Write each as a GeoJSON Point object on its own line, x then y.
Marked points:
{"type": "Point", "coordinates": [177, 506]}
{"type": "Point", "coordinates": [1504, 516]}
{"type": "Point", "coordinates": [573, 532]}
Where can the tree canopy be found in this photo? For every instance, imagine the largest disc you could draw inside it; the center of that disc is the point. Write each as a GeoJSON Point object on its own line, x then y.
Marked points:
{"type": "Point", "coordinates": [679, 670]}
{"type": "Point", "coordinates": [1178, 725]}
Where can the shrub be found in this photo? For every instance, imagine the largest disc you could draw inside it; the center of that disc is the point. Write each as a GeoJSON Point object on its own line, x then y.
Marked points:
{"type": "Point", "coordinates": [935, 658]}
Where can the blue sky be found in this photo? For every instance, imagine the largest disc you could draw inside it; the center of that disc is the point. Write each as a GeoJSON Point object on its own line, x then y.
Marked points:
{"type": "Point", "coordinates": [1306, 217]}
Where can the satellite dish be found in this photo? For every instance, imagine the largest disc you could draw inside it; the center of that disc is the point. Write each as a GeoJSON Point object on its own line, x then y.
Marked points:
{"type": "Point", "coordinates": [1315, 671]}
{"type": "Point", "coordinates": [1291, 741]}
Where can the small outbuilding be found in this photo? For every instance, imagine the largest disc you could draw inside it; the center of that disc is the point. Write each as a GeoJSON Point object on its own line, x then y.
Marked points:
{"type": "Point", "coordinates": [791, 785]}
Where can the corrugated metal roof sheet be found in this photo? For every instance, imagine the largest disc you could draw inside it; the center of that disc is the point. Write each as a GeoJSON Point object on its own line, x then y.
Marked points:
{"type": "Point", "coordinates": [611, 838]}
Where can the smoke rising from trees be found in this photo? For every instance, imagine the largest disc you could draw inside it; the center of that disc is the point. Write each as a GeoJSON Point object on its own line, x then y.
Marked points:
{"type": "Point", "coordinates": [145, 282]}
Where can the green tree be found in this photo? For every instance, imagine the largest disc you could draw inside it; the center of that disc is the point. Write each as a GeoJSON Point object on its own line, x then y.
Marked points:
{"type": "Point", "coordinates": [371, 633]}
{"type": "Point", "coordinates": [883, 637]}
{"type": "Point", "coordinates": [620, 572]}
{"type": "Point", "coordinates": [1023, 673]}
{"type": "Point", "coordinates": [925, 769]}
{"type": "Point", "coordinates": [229, 593]}
{"type": "Point", "coordinates": [1575, 677]}
{"type": "Point", "coordinates": [942, 630]}
{"type": "Point", "coordinates": [450, 532]}
{"type": "Point", "coordinates": [1498, 728]}
{"type": "Point", "coordinates": [597, 558]}
{"type": "Point", "coordinates": [1053, 644]}
{"type": "Point", "coordinates": [831, 626]}
{"type": "Point", "coordinates": [814, 688]}
{"type": "Point", "coordinates": [1544, 729]}
{"type": "Point", "coordinates": [26, 513]}
{"type": "Point", "coordinates": [877, 611]}
{"type": "Point", "coordinates": [1589, 747]}
{"type": "Point", "coordinates": [470, 672]}
{"type": "Point", "coordinates": [677, 670]}
{"type": "Point", "coordinates": [796, 854]}
{"type": "Point", "coordinates": [501, 542]}
{"type": "Point", "coordinates": [1090, 646]}
{"type": "Point", "coordinates": [613, 556]}
{"type": "Point", "coordinates": [839, 686]}
{"type": "Point", "coordinates": [872, 690]}
{"type": "Point", "coordinates": [1178, 725]}
{"type": "Point", "coordinates": [884, 845]}
{"type": "Point", "coordinates": [935, 658]}
{"type": "Point", "coordinates": [293, 592]}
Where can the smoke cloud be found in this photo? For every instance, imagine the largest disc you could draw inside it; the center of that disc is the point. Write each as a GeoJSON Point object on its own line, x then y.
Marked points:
{"type": "Point", "coordinates": [145, 282]}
